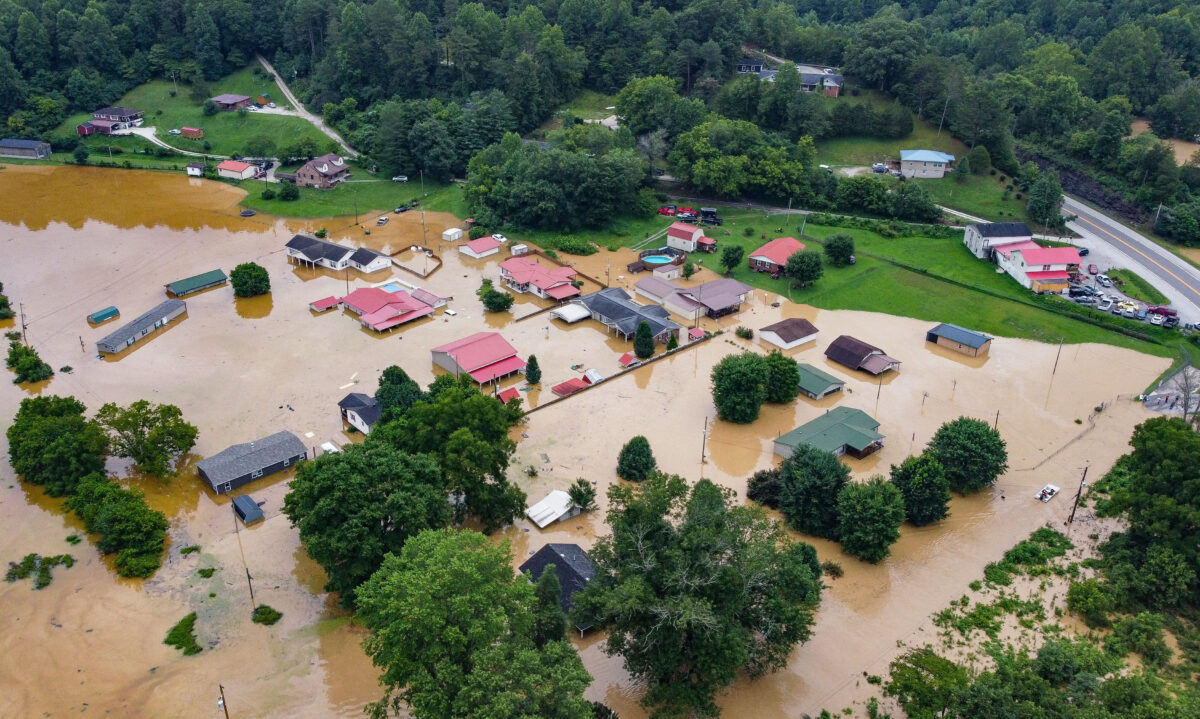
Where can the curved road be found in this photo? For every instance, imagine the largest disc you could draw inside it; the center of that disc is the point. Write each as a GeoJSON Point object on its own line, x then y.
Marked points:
{"type": "Point", "coordinates": [315, 120]}
{"type": "Point", "coordinates": [1172, 276]}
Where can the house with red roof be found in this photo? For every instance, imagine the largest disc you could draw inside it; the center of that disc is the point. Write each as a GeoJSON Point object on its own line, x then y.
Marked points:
{"type": "Point", "coordinates": [689, 238]}
{"type": "Point", "coordinates": [526, 274]}
{"type": "Point", "coordinates": [773, 256]}
{"type": "Point", "coordinates": [382, 310]}
{"type": "Point", "coordinates": [236, 170]}
{"type": "Point", "coordinates": [481, 247]}
{"type": "Point", "coordinates": [485, 356]}
{"type": "Point", "coordinates": [1041, 269]}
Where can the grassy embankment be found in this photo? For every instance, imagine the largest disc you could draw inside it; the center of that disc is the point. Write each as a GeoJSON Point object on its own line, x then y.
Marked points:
{"type": "Point", "coordinates": [226, 132]}
{"type": "Point", "coordinates": [1137, 287]}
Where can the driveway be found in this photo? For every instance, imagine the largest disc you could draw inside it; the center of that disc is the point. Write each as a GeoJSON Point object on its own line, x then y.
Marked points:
{"type": "Point", "coordinates": [151, 134]}
{"type": "Point", "coordinates": [300, 111]}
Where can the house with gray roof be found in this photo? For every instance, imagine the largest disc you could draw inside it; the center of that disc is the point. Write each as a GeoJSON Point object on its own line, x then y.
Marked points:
{"type": "Point", "coordinates": [715, 298]}
{"type": "Point", "coordinates": [315, 252]}
{"type": "Point", "coordinates": [360, 411]}
{"type": "Point", "coordinates": [613, 307]}
{"type": "Point", "coordinates": [140, 328]}
{"type": "Point", "coordinates": [959, 339]}
{"type": "Point", "coordinates": [572, 566]}
{"type": "Point", "coordinates": [31, 149]}
{"type": "Point", "coordinates": [981, 237]}
{"type": "Point", "coordinates": [243, 463]}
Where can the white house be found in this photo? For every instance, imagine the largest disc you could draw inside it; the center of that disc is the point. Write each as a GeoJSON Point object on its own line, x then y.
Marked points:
{"type": "Point", "coordinates": [789, 333]}
{"type": "Point", "coordinates": [453, 234]}
{"type": "Point", "coordinates": [668, 272]}
{"type": "Point", "coordinates": [195, 169]}
{"type": "Point", "coordinates": [682, 236]}
{"type": "Point", "coordinates": [982, 237]}
{"type": "Point", "coordinates": [1041, 269]}
{"type": "Point", "coordinates": [655, 288]}
{"type": "Point", "coordinates": [924, 163]}
{"type": "Point", "coordinates": [482, 247]}
{"type": "Point", "coordinates": [316, 252]}
{"type": "Point", "coordinates": [527, 274]}
{"type": "Point", "coordinates": [236, 170]}
{"type": "Point", "coordinates": [360, 411]}
{"type": "Point", "coordinates": [555, 507]}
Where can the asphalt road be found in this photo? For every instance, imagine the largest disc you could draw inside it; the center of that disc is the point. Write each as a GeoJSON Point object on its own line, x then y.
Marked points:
{"type": "Point", "coordinates": [1170, 275]}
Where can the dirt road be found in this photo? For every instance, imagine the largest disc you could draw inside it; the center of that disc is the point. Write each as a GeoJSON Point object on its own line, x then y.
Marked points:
{"type": "Point", "coordinates": [302, 112]}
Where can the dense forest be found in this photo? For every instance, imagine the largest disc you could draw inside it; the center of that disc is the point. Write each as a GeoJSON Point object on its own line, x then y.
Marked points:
{"type": "Point", "coordinates": [424, 85]}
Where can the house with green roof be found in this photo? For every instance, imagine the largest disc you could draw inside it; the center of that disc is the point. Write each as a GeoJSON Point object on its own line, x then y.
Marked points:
{"type": "Point", "coordinates": [203, 281]}
{"type": "Point", "coordinates": [815, 384]}
{"type": "Point", "coordinates": [841, 430]}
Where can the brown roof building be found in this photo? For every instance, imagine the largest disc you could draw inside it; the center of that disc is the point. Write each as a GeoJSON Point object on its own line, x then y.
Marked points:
{"type": "Point", "coordinates": [856, 354]}
{"type": "Point", "coordinates": [323, 172]}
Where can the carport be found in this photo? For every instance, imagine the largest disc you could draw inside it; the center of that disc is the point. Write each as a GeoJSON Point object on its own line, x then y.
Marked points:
{"type": "Point", "coordinates": [571, 313]}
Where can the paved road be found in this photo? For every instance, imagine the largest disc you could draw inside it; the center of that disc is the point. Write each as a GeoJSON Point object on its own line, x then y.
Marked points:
{"type": "Point", "coordinates": [316, 121]}
{"type": "Point", "coordinates": [1175, 278]}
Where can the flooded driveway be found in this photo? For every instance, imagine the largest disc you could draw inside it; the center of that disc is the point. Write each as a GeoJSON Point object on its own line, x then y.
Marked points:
{"type": "Point", "coordinates": [74, 240]}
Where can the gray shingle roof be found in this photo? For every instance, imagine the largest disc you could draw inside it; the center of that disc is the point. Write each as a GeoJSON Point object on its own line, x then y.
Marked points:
{"type": "Point", "coordinates": [572, 565]}
{"type": "Point", "coordinates": [241, 459]}
{"type": "Point", "coordinates": [364, 405]}
{"type": "Point", "coordinates": [614, 303]}
{"type": "Point", "coordinates": [961, 335]}
{"type": "Point", "coordinates": [315, 249]}
{"type": "Point", "coordinates": [1003, 229]}
{"type": "Point", "coordinates": [791, 329]}
{"type": "Point", "coordinates": [115, 341]}
{"type": "Point", "coordinates": [364, 256]}
{"type": "Point", "coordinates": [18, 144]}
{"type": "Point", "coordinates": [849, 351]}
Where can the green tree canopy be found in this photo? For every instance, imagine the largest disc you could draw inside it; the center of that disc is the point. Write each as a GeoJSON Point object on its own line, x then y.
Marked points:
{"type": "Point", "coordinates": [127, 526]}
{"type": "Point", "coordinates": [738, 387]}
{"type": "Point", "coordinates": [250, 279]}
{"type": "Point", "coordinates": [869, 518]}
{"type": "Point", "coordinates": [972, 454]}
{"type": "Point", "coordinates": [636, 462]}
{"type": "Point", "coordinates": [1045, 200]}
{"type": "Point", "coordinates": [804, 267]}
{"type": "Point", "coordinates": [731, 257]}
{"type": "Point", "coordinates": [154, 436]}
{"type": "Point", "coordinates": [839, 249]}
{"type": "Point", "coordinates": [51, 443]}
{"type": "Point", "coordinates": [397, 392]}
{"type": "Point", "coordinates": [533, 371]}
{"type": "Point", "coordinates": [782, 381]}
{"type": "Point", "coordinates": [922, 482]}
{"type": "Point", "coordinates": [643, 341]}
{"type": "Point", "coordinates": [729, 592]}
{"type": "Point", "coordinates": [549, 622]}
{"type": "Point", "coordinates": [810, 483]}
{"type": "Point", "coordinates": [355, 506]}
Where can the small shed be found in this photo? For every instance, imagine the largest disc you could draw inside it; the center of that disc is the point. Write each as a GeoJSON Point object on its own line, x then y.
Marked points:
{"type": "Point", "coordinates": [572, 565]}
{"type": "Point", "coordinates": [628, 360]}
{"type": "Point", "coordinates": [856, 354]}
{"type": "Point", "coordinates": [554, 507]}
{"type": "Point", "coordinates": [195, 283]}
{"type": "Point", "coordinates": [518, 249]}
{"type": "Point", "coordinates": [483, 247]}
{"type": "Point", "coordinates": [192, 133]}
{"type": "Point", "coordinates": [509, 395]}
{"type": "Point", "coordinates": [453, 234]}
{"type": "Point", "coordinates": [324, 304]}
{"type": "Point", "coordinates": [236, 170]}
{"type": "Point", "coordinates": [569, 387]}
{"type": "Point", "coordinates": [243, 463]}
{"type": "Point", "coordinates": [668, 272]}
{"type": "Point", "coordinates": [789, 333]}
{"type": "Point", "coordinates": [815, 384]}
{"type": "Point", "coordinates": [103, 315]}
{"type": "Point", "coordinates": [959, 339]}
{"type": "Point", "coordinates": [247, 509]}
{"type": "Point", "coordinates": [195, 169]}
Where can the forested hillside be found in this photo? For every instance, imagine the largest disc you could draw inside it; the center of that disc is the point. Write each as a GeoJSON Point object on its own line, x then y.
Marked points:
{"type": "Point", "coordinates": [426, 85]}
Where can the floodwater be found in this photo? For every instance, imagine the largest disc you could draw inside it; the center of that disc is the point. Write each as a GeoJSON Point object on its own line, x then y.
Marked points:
{"type": "Point", "coordinates": [1184, 149]}
{"type": "Point", "coordinates": [243, 369]}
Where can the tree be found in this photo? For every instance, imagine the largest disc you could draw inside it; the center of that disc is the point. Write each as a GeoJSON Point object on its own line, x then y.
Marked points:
{"type": "Point", "coordinates": [863, 193]}
{"type": "Point", "coordinates": [397, 392]}
{"type": "Point", "coordinates": [493, 299]}
{"type": "Point", "coordinates": [810, 484]}
{"type": "Point", "coordinates": [450, 627]}
{"type": "Point", "coordinates": [636, 462]}
{"type": "Point", "coordinates": [583, 495]}
{"type": "Point", "coordinates": [1045, 200]}
{"type": "Point", "coordinates": [259, 146]}
{"type": "Point", "coordinates": [732, 256]}
{"type": "Point", "coordinates": [354, 507]}
{"type": "Point", "coordinates": [884, 48]}
{"type": "Point", "coordinates": [549, 622]}
{"type": "Point", "coordinates": [972, 454]}
{"type": "Point", "coordinates": [924, 684]}
{"type": "Point", "coordinates": [533, 373]}
{"type": "Point", "coordinates": [689, 269]}
{"type": "Point", "coordinates": [911, 201]}
{"type": "Point", "coordinates": [154, 436]}
{"type": "Point", "coordinates": [26, 364]}
{"type": "Point", "coordinates": [804, 267]}
{"type": "Point", "coordinates": [980, 160]}
{"type": "Point", "coordinates": [764, 486]}
{"type": "Point", "coordinates": [250, 279]}
{"type": "Point", "coordinates": [782, 382]}
{"type": "Point", "coordinates": [729, 593]}
{"type": "Point", "coordinates": [51, 443]}
{"type": "Point", "coordinates": [962, 170]}
{"type": "Point", "coordinates": [839, 249]}
{"type": "Point", "coordinates": [127, 525]}
{"type": "Point", "coordinates": [673, 341]}
{"type": "Point", "coordinates": [643, 341]}
{"type": "Point", "coordinates": [288, 192]}
{"type": "Point", "coordinates": [922, 482]}
{"type": "Point", "coordinates": [738, 387]}
{"type": "Point", "coordinates": [81, 155]}
{"type": "Point", "coordinates": [869, 518]}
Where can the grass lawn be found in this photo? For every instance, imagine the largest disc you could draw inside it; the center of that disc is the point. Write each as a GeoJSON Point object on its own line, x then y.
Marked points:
{"type": "Point", "coordinates": [857, 151]}
{"type": "Point", "coordinates": [980, 195]}
{"type": "Point", "coordinates": [1137, 287]}
{"type": "Point", "coordinates": [226, 132]}
{"type": "Point", "coordinates": [368, 196]}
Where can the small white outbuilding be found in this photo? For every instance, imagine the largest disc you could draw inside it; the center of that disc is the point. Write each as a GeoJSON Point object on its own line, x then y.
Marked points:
{"type": "Point", "coordinates": [555, 507]}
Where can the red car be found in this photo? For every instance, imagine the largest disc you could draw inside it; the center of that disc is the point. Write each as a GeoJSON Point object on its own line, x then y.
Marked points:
{"type": "Point", "coordinates": [1092, 269]}
{"type": "Point", "coordinates": [688, 210]}
{"type": "Point", "coordinates": [667, 210]}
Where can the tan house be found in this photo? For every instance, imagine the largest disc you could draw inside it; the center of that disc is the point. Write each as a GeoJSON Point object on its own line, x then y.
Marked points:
{"type": "Point", "coordinates": [924, 163]}
{"type": "Point", "coordinates": [959, 339]}
{"type": "Point", "coordinates": [323, 172]}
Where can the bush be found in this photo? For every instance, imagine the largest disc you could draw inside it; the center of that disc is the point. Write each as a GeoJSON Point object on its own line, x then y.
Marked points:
{"type": "Point", "coordinates": [763, 487]}
{"type": "Point", "coordinates": [183, 636]}
{"type": "Point", "coordinates": [1091, 601]}
{"type": "Point", "coordinates": [636, 461]}
{"type": "Point", "coordinates": [289, 192]}
{"type": "Point", "coordinates": [494, 300]}
{"type": "Point", "coordinates": [839, 249]}
{"type": "Point", "coordinates": [744, 332]}
{"type": "Point", "coordinates": [264, 614]}
{"type": "Point", "coordinates": [1142, 634]}
{"type": "Point", "coordinates": [832, 569]}
{"type": "Point", "coordinates": [26, 363]}
{"type": "Point", "coordinates": [268, 194]}
{"type": "Point", "coordinates": [574, 246]}
{"type": "Point", "coordinates": [81, 155]}
{"type": "Point", "coordinates": [250, 279]}
{"type": "Point", "coordinates": [748, 231]}
{"type": "Point", "coordinates": [476, 232]}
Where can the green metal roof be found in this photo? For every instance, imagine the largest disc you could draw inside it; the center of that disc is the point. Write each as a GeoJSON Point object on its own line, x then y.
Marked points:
{"type": "Point", "coordinates": [105, 314]}
{"type": "Point", "coordinates": [194, 284]}
{"type": "Point", "coordinates": [814, 381]}
{"type": "Point", "coordinates": [837, 428]}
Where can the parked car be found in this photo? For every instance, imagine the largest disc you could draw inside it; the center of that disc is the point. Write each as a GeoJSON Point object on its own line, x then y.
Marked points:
{"type": "Point", "coordinates": [271, 105]}
{"type": "Point", "coordinates": [1105, 305]}
{"type": "Point", "coordinates": [1086, 300]}
{"type": "Point", "coordinates": [1142, 314]}
{"type": "Point", "coordinates": [879, 168]}
{"type": "Point", "coordinates": [1170, 321]}
{"type": "Point", "coordinates": [252, 108]}
{"type": "Point", "coordinates": [1104, 281]}
{"type": "Point", "coordinates": [1083, 251]}
{"type": "Point", "coordinates": [686, 216]}
{"type": "Point", "coordinates": [1157, 320]}
{"type": "Point", "coordinates": [174, 132]}
{"type": "Point", "coordinates": [1092, 269]}
{"type": "Point", "coordinates": [1163, 310]}
{"type": "Point", "coordinates": [714, 220]}
{"type": "Point", "coordinates": [400, 209]}
{"type": "Point", "coordinates": [382, 221]}
{"type": "Point", "coordinates": [1130, 312]}
{"type": "Point", "coordinates": [499, 237]}
{"type": "Point", "coordinates": [400, 178]}
{"type": "Point", "coordinates": [667, 210]}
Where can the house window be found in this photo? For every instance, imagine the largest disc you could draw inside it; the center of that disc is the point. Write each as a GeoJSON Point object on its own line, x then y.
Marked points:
{"type": "Point", "coordinates": [256, 473]}
{"type": "Point", "coordinates": [287, 461]}
{"type": "Point", "coordinates": [228, 487]}
{"type": "Point", "coordinates": [1045, 267]}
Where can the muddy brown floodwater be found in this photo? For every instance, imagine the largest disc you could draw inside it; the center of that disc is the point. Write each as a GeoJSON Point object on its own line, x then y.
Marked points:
{"type": "Point", "coordinates": [74, 240]}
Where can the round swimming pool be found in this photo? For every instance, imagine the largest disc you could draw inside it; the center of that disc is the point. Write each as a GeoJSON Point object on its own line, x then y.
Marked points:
{"type": "Point", "coordinates": [657, 259]}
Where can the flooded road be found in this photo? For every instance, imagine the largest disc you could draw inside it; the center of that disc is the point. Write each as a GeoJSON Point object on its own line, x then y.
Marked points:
{"type": "Point", "coordinates": [247, 368]}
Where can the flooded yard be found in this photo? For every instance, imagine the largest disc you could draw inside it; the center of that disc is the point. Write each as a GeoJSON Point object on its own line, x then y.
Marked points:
{"type": "Point", "coordinates": [74, 240]}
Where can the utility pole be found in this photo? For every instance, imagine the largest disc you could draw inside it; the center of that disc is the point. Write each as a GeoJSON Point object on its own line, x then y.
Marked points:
{"type": "Point", "coordinates": [221, 701]}
{"type": "Point", "coordinates": [1060, 343]}
{"type": "Point", "coordinates": [878, 391]}
{"type": "Point", "coordinates": [704, 440]}
{"type": "Point", "coordinates": [996, 423]}
{"type": "Point", "coordinates": [1078, 494]}
{"type": "Point", "coordinates": [24, 324]}
{"type": "Point", "coordinates": [1156, 212]}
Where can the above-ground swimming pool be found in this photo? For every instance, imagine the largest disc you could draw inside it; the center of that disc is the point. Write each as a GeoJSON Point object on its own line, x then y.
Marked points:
{"type": "Point", "coordinates": [657, 259]}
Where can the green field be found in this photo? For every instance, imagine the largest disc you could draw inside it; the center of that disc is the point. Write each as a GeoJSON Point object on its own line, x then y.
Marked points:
{"type": "Point", "coordinates": [1137, 287]}
{"type": "Point", "coordinates": [226, 132]}
{"type": "Point", "coordinates": [980, 195]}
{"type": "Point", "coordinates": [858, 151]}
{"type": "Point", "coordinates": [364, 194]}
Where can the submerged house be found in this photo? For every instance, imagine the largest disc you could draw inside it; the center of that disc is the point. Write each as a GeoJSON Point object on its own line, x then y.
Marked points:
{"type": "Point", "coordinates": [315, 252]}
{"type": "Point", "coordinates": [841, 430]}
{"type": "Point", "coordinates": [195, 283]}
{"type": "Point", "coordinates": [789, 333]}
{"type": "Point", "coordinates": [243, 463]}
{"type": "Point", "coordinates": [360, 411]}
{"type": "Point", "coordinates": [141, 327]}
{"type": "Point", "coordinates": [959, 339]}
{"type": "Point", "coordinates": [528, 275]}
{"type": "Point", "coordinates": [486, 356]}
{"type": "Point", "coordinates": [856, 354]}
{"type": "Point", "coordinates": [381, 310]}
{"type": "Point", "coordinates": [555, 507]}
{"type": "Point", "coordinates": [573, 567]}
{"type": "Point", "coordinates": [613, 307]}
{"type": "Point", "coordinates": [815, 383]}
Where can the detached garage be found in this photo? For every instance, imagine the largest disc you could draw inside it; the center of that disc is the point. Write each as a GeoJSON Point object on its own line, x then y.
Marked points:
{"type": "Point", "coordinates": [959, 339]}
{"type": "Point", "coordinates": [789, 333]}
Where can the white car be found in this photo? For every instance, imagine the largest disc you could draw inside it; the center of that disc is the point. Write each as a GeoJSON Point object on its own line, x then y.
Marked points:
{"type": "Point", "coordinates": [499, 237]}
{"type": "Point", "coordinates": [174, 132]}
{"type": "Point", "coordinates": [400, 178]}
{"type": "Point", "coordinates": [271, 105]}
{"type": "Point", "coordinates": [252, 108]}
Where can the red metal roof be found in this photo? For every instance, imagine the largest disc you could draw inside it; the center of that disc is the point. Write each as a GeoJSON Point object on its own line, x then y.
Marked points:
{"type": "Point", "coordinates": [695, 333]}
{"type": "Point", "coordinates": [478, 350]}
{"type": "Point", "coordinates": [370, 299]}
{"type": "Point", "coordinates": [527, 270]}
{"type": "Point", "coordinates": [571, 386]}
{"type": "Point", "coordinates": [393, 316]}
{"type": "Point", "coordinates": [683, 230]}
{"type": "Point", "coordinates": [325, 303]}
{"type": "Point", "coordinates": [1049, 275]}
{"type": "Point", "coordinates": [509, 394]}
{"type": "Point", "coordinates": [189, 129]}
{"type": "Point", "coordinates": [627, 359]}
{"type": "Point", "coordinates": [1022, 245]}
{"type": "Point", "coordinates": [234, 165]}
{"type": "Point", "coordinates": [562, 292]}
{"type": "Point", "coordinates": [778, 250]}
{"type": "Point", "coordinates": [497, 369]}
{"type": "Point", "coordinates": [481, 245]}
{"type": "Point", "coordinates": [1050, 256]}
